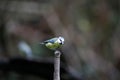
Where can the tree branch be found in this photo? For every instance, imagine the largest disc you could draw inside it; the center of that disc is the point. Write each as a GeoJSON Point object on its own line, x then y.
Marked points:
{"type": "Point", "coordinates": [57, 65]}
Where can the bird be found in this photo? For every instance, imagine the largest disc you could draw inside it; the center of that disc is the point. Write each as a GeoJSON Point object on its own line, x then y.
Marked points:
{"type": "Point", "coordinates": [54, 43]}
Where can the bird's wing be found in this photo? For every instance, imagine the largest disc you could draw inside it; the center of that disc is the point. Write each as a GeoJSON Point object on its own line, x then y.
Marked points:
{"type": "Point", "coordinates": [51, 40]}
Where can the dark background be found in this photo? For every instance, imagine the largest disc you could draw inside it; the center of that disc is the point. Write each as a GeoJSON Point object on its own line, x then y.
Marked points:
{"type": "Point", "coordinates": [91, 30]}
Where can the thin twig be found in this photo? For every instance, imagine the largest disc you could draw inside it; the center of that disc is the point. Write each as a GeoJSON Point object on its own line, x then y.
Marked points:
{"type": "Point", "coordinates": [57, 65]}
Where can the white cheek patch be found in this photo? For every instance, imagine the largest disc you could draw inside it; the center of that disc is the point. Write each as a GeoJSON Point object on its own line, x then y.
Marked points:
{"type": "Point", "coordinates": [58, 41]}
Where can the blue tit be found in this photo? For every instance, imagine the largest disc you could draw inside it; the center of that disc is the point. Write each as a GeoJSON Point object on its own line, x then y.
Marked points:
{"type": "Point", "coordinates": [54, 43]}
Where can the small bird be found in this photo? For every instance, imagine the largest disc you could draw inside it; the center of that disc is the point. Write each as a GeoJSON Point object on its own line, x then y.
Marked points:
{"type": "Point", "coordinates": [54, 43]}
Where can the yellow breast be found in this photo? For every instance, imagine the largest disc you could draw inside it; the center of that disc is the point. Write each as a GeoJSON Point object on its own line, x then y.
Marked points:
{"type": "Point", "coordinates": [53, 45]}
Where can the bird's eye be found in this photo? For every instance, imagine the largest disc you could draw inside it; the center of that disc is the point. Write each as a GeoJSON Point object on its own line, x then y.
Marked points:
{"type": "Point", "coordinates": [61, 41]}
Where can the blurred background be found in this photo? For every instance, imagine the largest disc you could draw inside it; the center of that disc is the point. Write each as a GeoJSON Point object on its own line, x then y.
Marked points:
{"type": "Point", "coordinates": [91, 30]}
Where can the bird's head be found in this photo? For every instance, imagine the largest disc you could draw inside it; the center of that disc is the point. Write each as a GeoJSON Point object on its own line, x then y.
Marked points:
{"type": "Point", "coordinates": [61, 40]}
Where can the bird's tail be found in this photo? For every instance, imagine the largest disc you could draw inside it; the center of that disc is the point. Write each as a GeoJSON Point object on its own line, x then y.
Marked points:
{"type": "Point", "coordinates": [42, 43]}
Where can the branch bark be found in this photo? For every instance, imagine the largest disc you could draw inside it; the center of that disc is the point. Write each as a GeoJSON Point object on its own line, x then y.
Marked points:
{"type": "Point", "coordinates": [57, 65]}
